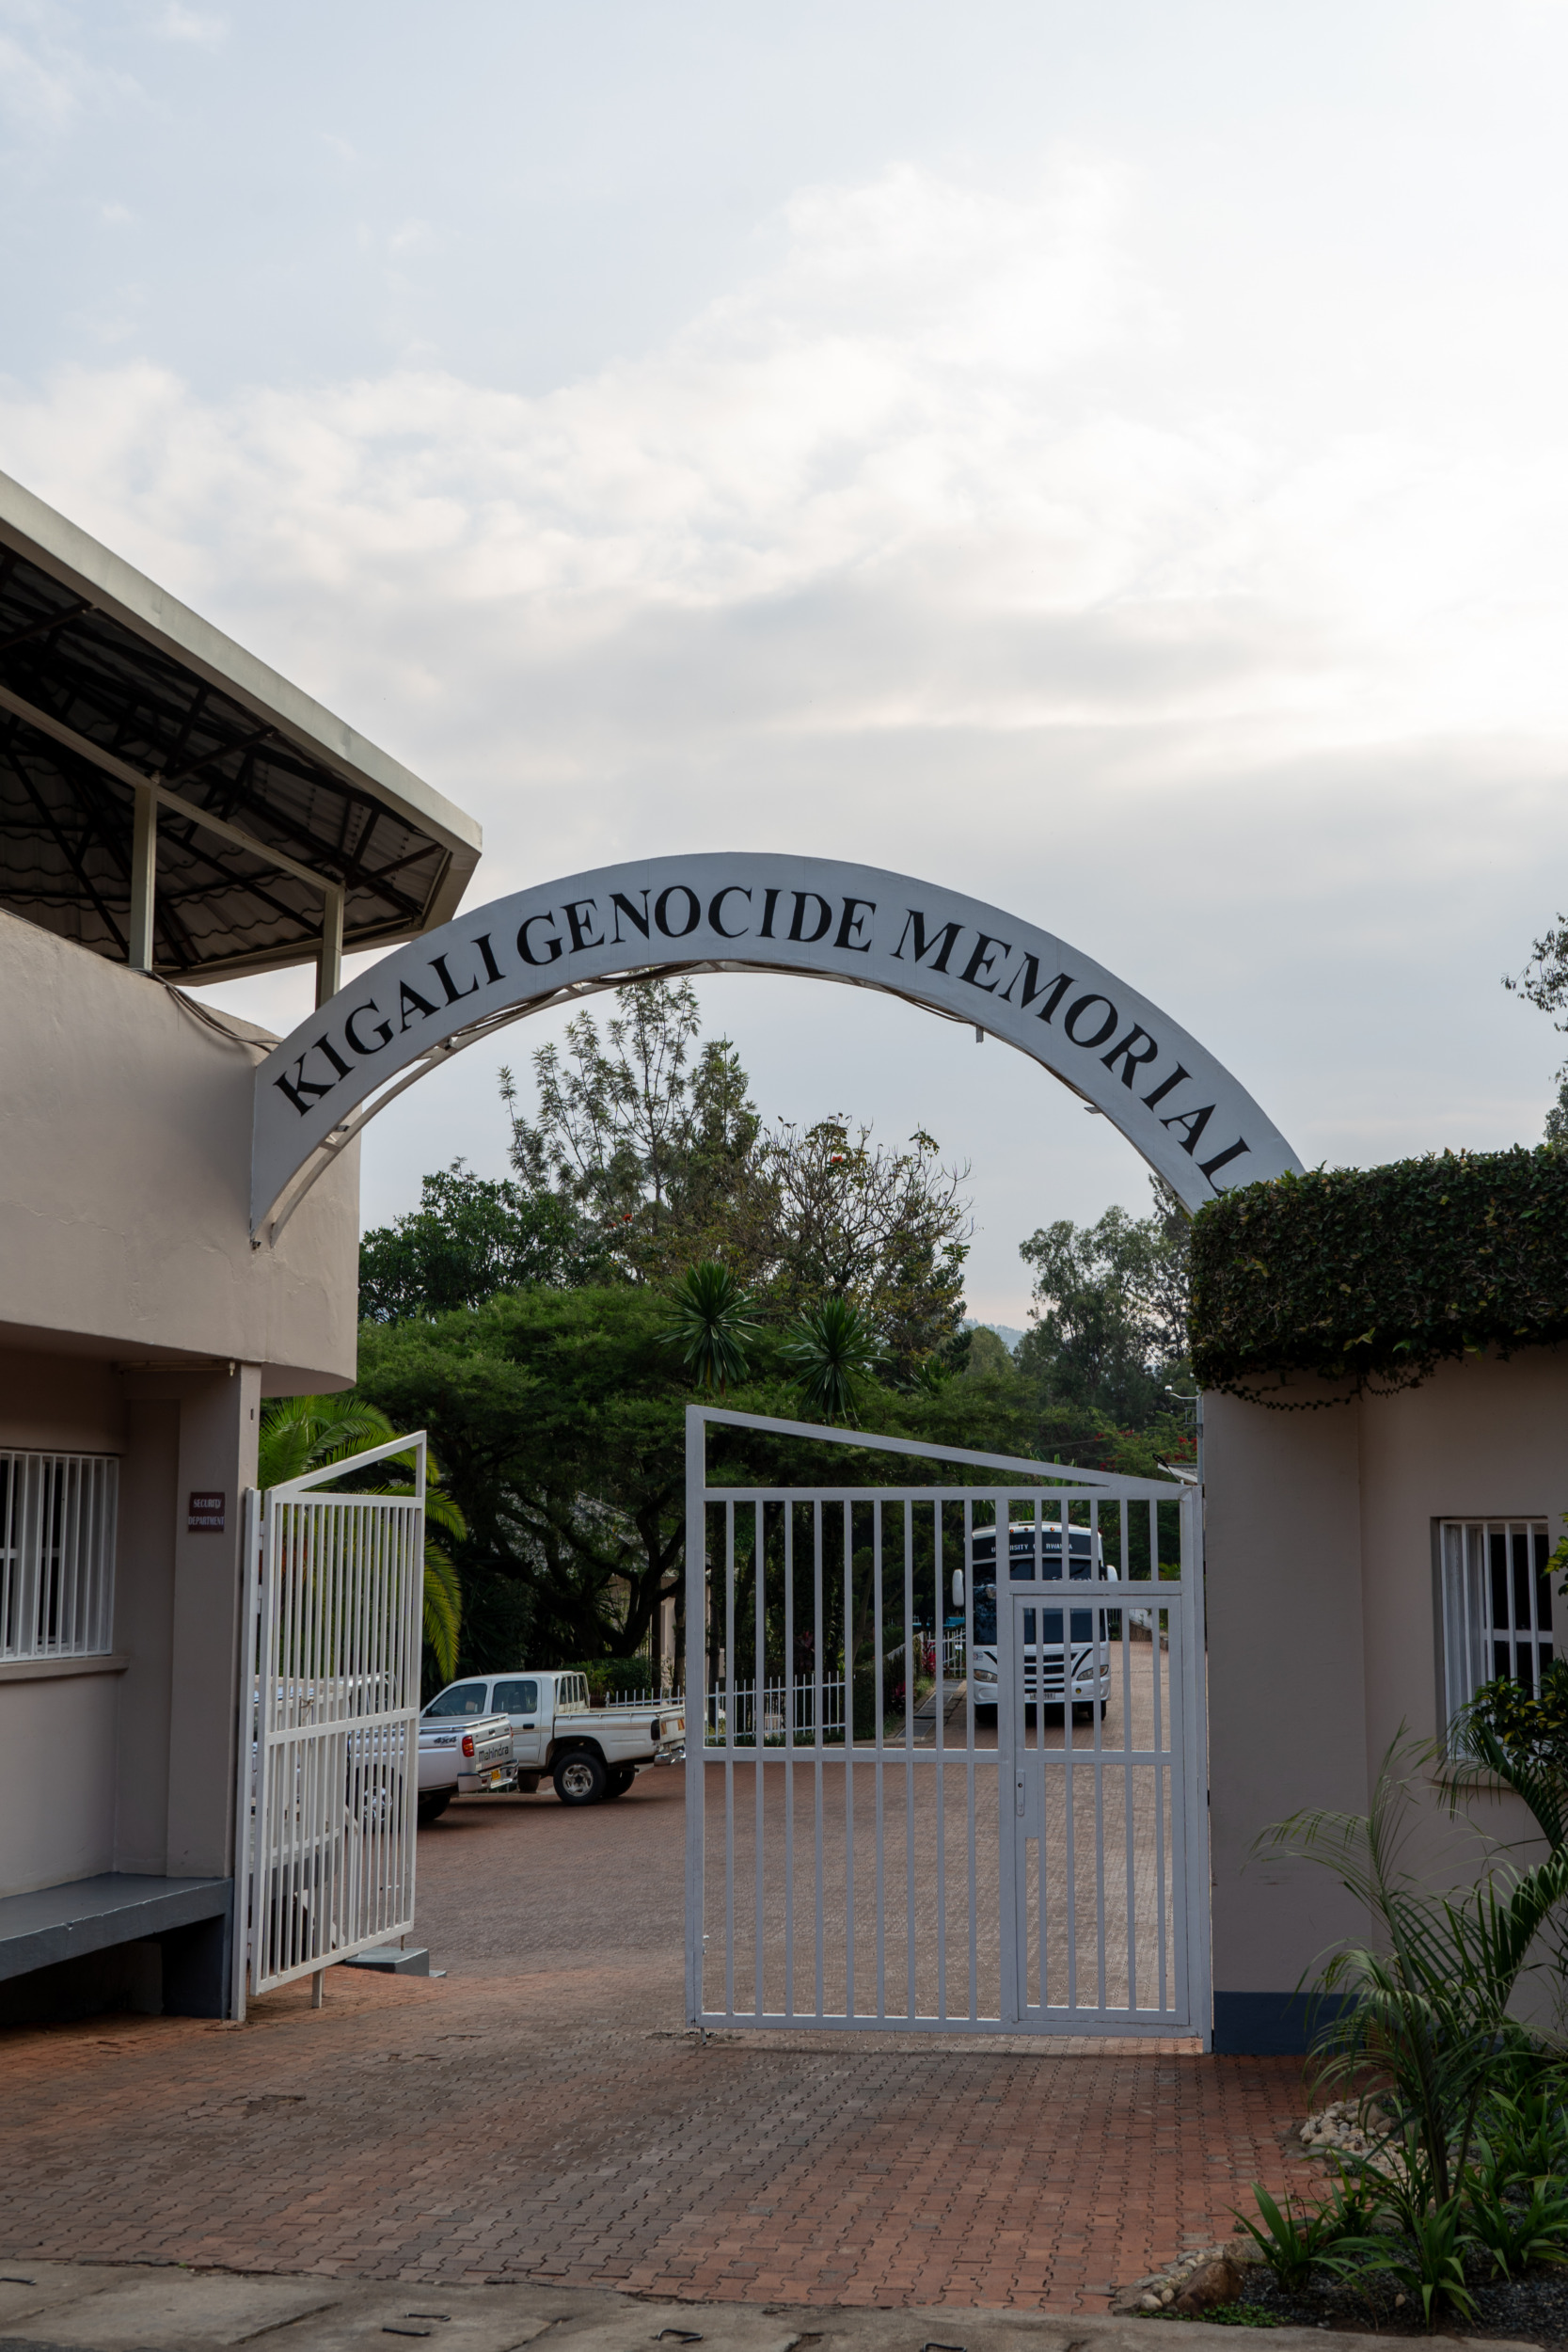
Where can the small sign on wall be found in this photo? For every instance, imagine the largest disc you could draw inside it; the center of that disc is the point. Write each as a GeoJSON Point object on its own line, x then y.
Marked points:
{"type": "Point", "coordinates": [206, 1514]}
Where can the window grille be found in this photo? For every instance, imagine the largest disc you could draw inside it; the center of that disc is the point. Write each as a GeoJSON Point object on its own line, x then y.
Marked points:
{"type": "Point", "coordinates": [1497, 1602]}
{"type": "Point", "coordinates": [58, 1515]}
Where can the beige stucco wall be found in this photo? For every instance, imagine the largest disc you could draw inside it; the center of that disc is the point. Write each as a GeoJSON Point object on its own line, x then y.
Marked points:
{"type": "Point", "coordinates": [135, 1319]}
{"type": "Point", "coordinates": [65, 1403]}
{"type": "Point", "coordinates": [1323, 1626]}
{"type": "Point", "coordinates": [56, 1780]}
{"type": "Point", "coordinates": [144, 1628]}
{"type": "Point", "coordinates": [1287, 1707]}
{"type": "Point", "coordinates": [124, 1181]}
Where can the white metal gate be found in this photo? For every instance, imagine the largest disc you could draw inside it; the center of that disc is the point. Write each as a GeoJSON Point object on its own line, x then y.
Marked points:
{"type": "Point", "coordinates": [328, 1790]}
{"type": "Point", "coordinates": [930, 1811]}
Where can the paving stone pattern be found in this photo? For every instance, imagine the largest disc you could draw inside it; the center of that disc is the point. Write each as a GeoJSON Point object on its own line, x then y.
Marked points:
{"type": "Point", "coordinates": [541, 2114]}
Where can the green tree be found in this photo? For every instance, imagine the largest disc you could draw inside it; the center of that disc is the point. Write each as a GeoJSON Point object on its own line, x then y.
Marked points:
{"type": "Point", "coordinates": [886, 1232]}
{"type": "Point", "coordinates": [650, 1137]}
{"type": "Point", "coordinates": [988, 1357]}
{"type": "Point", "coordinates": [648, 1134]}
{"type": "Point", "coordinates": [470, 1239]}
{"type": "Point", "coordinates": [1110, 1313]}
{"type": "Point", "coordinates": [1544, 983]}
{"type": "Point", "coordinates": [301, 1433]}
{"type": "Point", "coordinates": [559, 1419]}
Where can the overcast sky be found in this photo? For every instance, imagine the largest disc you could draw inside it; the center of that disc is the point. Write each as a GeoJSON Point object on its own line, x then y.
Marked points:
{"type": "Point", "coordinates": [1109, 457]}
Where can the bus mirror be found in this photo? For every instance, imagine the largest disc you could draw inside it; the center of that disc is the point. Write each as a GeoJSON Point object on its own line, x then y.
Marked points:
{"type": "Point", "coordinates": [957, 1588]}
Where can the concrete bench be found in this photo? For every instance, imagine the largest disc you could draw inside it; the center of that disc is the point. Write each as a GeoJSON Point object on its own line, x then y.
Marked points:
{"type": "Point", "coordinates": [60, 1928]}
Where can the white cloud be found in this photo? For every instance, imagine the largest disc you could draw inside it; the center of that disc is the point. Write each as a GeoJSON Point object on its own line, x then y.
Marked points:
{"type": "Point", "coordinates": [413, 238]}
{"type": "Point", "coordinates": [174, 22]}
{"type": "Point", "coordinates": [887, 475]}
{"type": "Point", "coordinates": [931, 542]}
{"type": "Point", "coordinates": [46, 79]}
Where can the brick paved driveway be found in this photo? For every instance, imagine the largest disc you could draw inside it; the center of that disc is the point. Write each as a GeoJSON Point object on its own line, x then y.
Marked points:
{"type": "Point", "coordinates": [540, 2113]}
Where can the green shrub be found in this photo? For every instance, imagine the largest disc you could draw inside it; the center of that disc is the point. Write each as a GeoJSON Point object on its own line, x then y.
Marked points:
{"type": "Point", "coordinates": [1424, 2021]}
{"type": "Point", "coordinates": [606, 1678]}
{"type": "Point", "coordinates": [1374, 1276]}
{"type": "Point", "coordinates": [1517, 2232]}
{"type": "Point", "coordinates": [1470, 2155]}
{"type": "Point", "coordinates": [1426, 2260]}
{"type": "Point", "coordinates": [1291, 2238]}
{"type": "Point", "coordinates": [1357, 2201]}
{"type": "Point", "coordinates": [1507, 1733]}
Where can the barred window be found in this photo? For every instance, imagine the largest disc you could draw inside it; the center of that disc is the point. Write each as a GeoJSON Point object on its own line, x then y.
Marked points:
{"type": "Point", "coordinates": [1497, 1605]}
{"type": "Point", "coordinates": [57, 1516]}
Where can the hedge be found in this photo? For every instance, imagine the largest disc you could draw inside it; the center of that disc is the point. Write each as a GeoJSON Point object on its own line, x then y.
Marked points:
{"type": "Point", "coordinates": [1372, 1276]}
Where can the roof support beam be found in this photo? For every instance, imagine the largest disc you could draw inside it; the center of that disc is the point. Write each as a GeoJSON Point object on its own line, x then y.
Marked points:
{"type": "Point", "coordinates": [233, 795]}
{"type": "Point", "coordinates": [221, 751]}
{"type": "Point", "coordinates": [42, 629]}
{"type": "Point", "coordinates": [144, 878]}
{"type": "Point", "coordinates": [140, 782]}
{"type": "Point", "coordinates": [329, 963]}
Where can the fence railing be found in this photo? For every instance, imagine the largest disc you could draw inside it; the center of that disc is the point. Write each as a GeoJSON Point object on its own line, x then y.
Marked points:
{"type": "Point", "coordinates": [733, 1711]}
{"type": "Point", "coordinates": [952, 1653]}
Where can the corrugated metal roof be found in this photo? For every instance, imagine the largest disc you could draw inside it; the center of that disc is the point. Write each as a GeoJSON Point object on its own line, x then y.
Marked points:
{"type": "Point", "coordinates": [104, 679]}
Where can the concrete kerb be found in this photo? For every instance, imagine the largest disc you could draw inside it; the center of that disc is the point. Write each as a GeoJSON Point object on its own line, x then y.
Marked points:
{"type": "Point", "coordinates": [88, 2306]}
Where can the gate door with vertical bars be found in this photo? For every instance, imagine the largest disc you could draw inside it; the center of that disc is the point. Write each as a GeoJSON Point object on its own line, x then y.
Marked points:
{"type": "Point", "coordinates": [946, 1764]}
{"type": "Point", "coordinates": [328, 1789]}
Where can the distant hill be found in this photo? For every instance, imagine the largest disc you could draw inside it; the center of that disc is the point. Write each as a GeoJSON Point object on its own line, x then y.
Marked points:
{"type": "Point", "coordinates": [1006, 1333]}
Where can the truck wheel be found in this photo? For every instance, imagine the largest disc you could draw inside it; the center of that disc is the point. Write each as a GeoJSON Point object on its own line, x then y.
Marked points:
{"type": "Point", "coordinates": [580, 1778]}
{"type": "Point", "coordinates": [432, 1808]}
{"type": "Point", "coordinates": [619, 1780]}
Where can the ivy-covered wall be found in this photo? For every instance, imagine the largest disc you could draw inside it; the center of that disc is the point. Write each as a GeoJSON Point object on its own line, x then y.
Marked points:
{"type": "Point", "coordinates": [1374, 1276]}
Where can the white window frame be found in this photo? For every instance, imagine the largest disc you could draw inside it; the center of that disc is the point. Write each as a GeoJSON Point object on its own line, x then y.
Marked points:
{"type": "Point", "coordinates": [1495, 1604]}
{"type": "Point", "coordinates": [58, 1516]}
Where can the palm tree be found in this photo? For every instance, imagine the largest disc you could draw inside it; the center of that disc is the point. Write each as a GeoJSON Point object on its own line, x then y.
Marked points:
{"type": "Point", "coordinates": [712, 1326]}
{"type": "Point", "coordinates": [833, 1349]}
{"type": "Point", "coordinates": [309, 1433]}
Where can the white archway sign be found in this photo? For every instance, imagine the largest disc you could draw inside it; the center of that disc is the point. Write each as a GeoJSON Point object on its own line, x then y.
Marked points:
{"type": "Point", "coordinates": [817, 918]}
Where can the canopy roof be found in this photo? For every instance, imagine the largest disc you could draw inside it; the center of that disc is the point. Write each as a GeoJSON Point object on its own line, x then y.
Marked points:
{"type": "Point", "coordinates": [107, 684]}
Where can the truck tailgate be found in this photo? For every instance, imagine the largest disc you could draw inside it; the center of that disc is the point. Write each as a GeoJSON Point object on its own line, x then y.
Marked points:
{"type": "Point", "coordinates": [456, 1748]}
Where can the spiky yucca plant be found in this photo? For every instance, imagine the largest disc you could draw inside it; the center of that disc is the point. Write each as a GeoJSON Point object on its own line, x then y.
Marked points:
{"type": "Point", "coordinates": [712, 1326]}
{"type": "Point", "coordinates": [834, 1350]}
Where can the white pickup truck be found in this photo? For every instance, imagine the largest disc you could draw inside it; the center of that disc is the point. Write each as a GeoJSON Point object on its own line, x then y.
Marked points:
{"type": "Point", "coordinates": [589, 1753]}
{"type": "Point", "coordinates": [462, 1759]}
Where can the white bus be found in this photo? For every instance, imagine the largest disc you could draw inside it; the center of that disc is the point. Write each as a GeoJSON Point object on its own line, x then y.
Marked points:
{"type": "Point", "coordinates": [1058, 1642]}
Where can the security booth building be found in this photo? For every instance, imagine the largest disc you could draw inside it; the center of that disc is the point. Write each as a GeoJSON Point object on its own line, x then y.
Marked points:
{"type": "Point", "coordinates": [171, 811]}
{"type": "Point", "coordinates": [1377, 1542]}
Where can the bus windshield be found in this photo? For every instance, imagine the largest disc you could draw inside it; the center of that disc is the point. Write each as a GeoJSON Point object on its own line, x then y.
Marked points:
{"type": "Point", "coordinates": [1083, 1550]}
